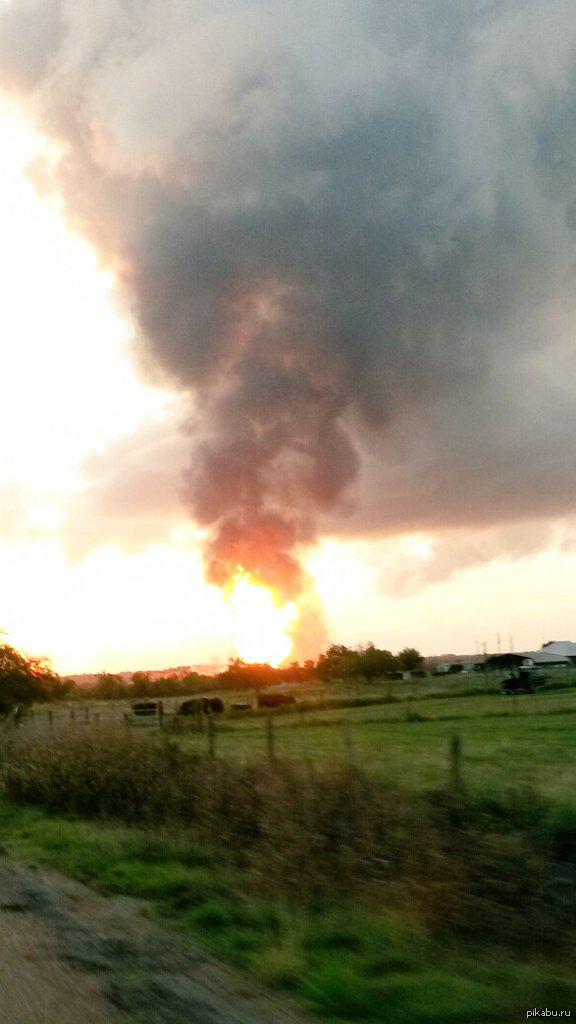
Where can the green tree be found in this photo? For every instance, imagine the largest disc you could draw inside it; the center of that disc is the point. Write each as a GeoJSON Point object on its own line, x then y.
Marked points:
{"type": "Point", "coordinates": [258, 676]}
{"type": "Point", "coordinates": [108, 687]}
{"type": "Point", "coordinates": [141, 685]}
{"type": "Point", "coordinates": [193, 681]}
{"type": "Point", "coordinates": [373, 663]}
{"type": "Point", "coordinates": [24, 680]}
{"type": "Point", "coordinates": [234, 674]}
{"type": "Point", "coordinates": [241, 674]}
{"type": "Point", "coordinates": [338, 662]}
{"type": "Point", "coordinates": [410, 659]}
{"type": "Point", "coordinates": [291, 673]}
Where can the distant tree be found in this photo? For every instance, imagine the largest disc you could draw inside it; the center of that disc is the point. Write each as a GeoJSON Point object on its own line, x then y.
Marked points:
{"type": "Point", "coordinates": [233, 675]}
{"type": "Point", "coordinates": [373, 663]}
{"type": "Point", "coordinates": [109, 687]}
{"type": "Point", "coordinates": [141, 684]}
{"type": "Point", "coordinates": [258, 676]}
{"type": "Point", "coordinates": [24, 680]}
{"type": "Point", "coordinates": [296, 673]}
{"type": "Point", "coordinates": [309, 670]}
{"type": "Point", "coordinates": [193, 681]}
{"type": "Point", "coordinates": [167, 686]}
{"type": "Point", "coordinates": [338, 662]}
{"type": "Point", "coordinates": [67, 688]}
{"type": "Point", "coordinates": [410, 659]}
{"type": "Point", "coordinates": [245, 675]}
{"type": "Point", "coordinates": [291, 673]}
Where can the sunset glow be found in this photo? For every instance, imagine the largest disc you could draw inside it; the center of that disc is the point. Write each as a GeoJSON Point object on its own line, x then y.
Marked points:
{"type": "Point", "coordinates": [262, 623]}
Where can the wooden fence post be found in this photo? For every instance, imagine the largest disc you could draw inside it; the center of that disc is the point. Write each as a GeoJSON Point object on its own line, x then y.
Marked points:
{"type": "Point", "coordinates": [270, 738]}
{"type": "Point", "coordinates": [455, 762]}
{"type": "Point", "coordinates": [211, 736]}
{"type": "Point", "coordinates": [347, 739]}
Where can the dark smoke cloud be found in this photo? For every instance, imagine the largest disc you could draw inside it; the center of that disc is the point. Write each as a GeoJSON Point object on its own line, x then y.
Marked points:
{"type": "Point", "coordinates": [347, 228]}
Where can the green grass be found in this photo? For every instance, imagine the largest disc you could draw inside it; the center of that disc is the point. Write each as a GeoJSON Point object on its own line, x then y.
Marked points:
{"type": "Point", "coordinates": [457, 930]}
{"type": "Point", "coordinates": [528, 739]}
{"type": "Point", "coordinates": [343, 963]}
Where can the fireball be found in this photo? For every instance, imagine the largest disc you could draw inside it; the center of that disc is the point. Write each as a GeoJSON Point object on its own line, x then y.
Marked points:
{"type": "Point", "coordinates": [263, 622]}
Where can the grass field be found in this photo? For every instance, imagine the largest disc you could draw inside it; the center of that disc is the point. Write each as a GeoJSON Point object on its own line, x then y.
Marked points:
{"type": "Point", "coordinates": [528, 740]}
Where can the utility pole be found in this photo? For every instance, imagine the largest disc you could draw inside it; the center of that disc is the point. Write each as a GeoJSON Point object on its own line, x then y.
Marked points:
{"type": "Point", "coordinates": [498, 643]}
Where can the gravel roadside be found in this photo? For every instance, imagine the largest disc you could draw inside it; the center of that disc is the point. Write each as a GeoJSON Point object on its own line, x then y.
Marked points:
{"type": "Point", "coordinates": [71, 956]}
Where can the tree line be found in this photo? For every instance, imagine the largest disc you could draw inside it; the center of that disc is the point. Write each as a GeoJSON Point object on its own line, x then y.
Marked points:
{"type": "Point", "coordinates": [366, 662]}
{"type": "Point", "coordinates": [25, 680]}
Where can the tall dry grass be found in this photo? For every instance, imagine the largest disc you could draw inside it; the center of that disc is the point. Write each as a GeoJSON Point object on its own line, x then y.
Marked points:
{"type": "Point", "coordinates": [471, 866]}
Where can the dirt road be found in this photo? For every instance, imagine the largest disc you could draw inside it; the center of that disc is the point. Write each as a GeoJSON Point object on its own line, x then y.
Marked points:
{"type": "Point", "coordinates": [70, 956]}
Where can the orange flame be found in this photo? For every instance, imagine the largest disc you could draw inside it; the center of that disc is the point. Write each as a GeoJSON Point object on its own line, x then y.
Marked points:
{"type": "Point", "coordinates": [262, 622]}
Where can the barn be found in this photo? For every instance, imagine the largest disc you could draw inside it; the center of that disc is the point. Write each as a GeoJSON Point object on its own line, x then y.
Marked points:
{"type": "Point", "coordinates": [538, 659]}
{"type": "Point", "coordinates": [562, 649]}
{"type": "Point", "coordinates": [548, 659]}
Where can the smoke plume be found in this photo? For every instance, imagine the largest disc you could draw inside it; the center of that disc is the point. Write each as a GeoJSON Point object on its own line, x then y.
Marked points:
{"type": "Point", "coordinates": [347, 229]}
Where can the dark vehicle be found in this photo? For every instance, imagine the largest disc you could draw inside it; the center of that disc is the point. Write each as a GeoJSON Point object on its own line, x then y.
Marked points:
{"type": "Point", "coordinates": [147, 707]}
{"type": "Point", "coordinates": [524, 680]}
{"type": "Point", "coordinates": [275, 700]}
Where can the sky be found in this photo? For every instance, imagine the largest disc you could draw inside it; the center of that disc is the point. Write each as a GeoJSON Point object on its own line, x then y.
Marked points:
{"type": "Point", "coordinates": [418, 472]}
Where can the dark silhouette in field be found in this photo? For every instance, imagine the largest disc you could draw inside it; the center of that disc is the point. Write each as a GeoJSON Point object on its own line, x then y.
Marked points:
{"type": "Point", "coordinates": [212, 705]}
{"type": "Point", "coordinates": [145, 708]}
{"type": "Point", "coordinates": [202, 706]}
{"type": "Point", "coordinates": [275, 700]}
{"type": "Point", "coordinates": [523, 680]}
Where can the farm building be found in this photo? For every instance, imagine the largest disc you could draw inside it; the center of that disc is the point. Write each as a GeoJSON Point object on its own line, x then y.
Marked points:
{"type": "Point", "coordinates": [547, 659]}
{"type": "Point", "coordinates": [540, 659]}
{"type": "Point", "coordinates": [561, 648]}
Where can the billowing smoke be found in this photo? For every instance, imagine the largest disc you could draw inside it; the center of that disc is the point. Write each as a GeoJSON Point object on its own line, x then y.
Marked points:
{"type": "Point", "coordinates": [347, 228]}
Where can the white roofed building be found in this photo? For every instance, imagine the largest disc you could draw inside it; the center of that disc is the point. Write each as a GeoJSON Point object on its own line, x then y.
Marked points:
{"type": "Point", "coordinates": [562, 649]}
{"type": "Point", "coordinates": [547, 659]}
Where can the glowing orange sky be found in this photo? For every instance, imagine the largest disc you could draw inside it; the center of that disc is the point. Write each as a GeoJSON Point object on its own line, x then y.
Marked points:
{"type": "Point", "coordinates": [69, 390]}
